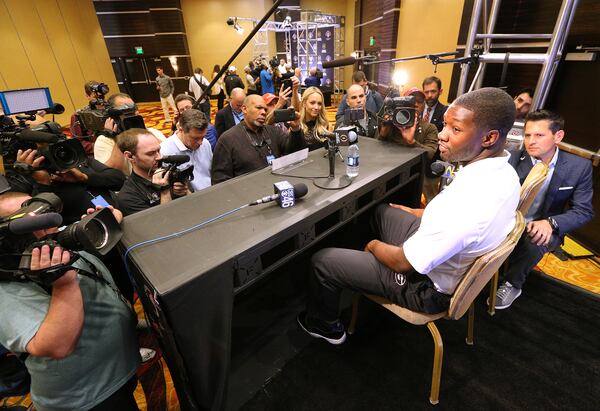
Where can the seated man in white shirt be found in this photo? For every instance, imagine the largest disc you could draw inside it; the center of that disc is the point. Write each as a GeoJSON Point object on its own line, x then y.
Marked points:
{"type": "Point", "coordinates": [424, 253]}
{"type": "Point", "coordinates": [189, 140]}
{"type": "Point", "coordinates": [105, 147]}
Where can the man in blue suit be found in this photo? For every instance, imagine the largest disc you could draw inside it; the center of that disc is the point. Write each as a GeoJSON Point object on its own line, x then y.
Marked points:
{"type": "Point", "coordinates": [563, 204]}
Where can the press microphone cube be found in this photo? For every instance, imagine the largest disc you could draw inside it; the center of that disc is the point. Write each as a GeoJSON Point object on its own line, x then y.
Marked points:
{"type": "Point", "coordinates": [286, 194]}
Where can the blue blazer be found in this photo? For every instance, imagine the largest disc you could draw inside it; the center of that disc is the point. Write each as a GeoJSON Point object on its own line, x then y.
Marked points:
{"type": "Point", "coordinates": [569, 195]}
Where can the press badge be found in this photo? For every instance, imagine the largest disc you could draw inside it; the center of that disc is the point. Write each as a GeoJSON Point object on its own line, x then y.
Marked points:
{"type": "Point", "coordinates": [270, 158]}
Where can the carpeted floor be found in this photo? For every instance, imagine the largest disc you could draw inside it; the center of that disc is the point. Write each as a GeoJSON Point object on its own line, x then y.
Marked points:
{"type": "Point", "coordinates": [542, 353]}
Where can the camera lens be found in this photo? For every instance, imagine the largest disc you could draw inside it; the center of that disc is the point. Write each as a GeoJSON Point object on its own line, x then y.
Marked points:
{"type": "Point", "coordinates": [97, 233]}
{"type": "Point", "coordinates": [403, 117]}
{"type": "Point", "coordinates": [64, 155]}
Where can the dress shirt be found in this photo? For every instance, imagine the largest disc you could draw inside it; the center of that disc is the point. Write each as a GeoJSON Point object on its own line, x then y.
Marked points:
{"type": "Point", "coordinates": [200, 158]}
{"type": "Point", "coordinates": [536, 206]}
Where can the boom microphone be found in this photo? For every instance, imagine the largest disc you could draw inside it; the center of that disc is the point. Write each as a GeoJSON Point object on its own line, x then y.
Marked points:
{"type": "Point", "coordinates": [30, 224]}
{"type": "Point", "coordinates": [344, 61]}
{"type": "Point", "coordinates": [285, 194]}
{"type": "Point", "coordinates": [175, 159]}
{"type": "Point", "coordinates": [32, 135]}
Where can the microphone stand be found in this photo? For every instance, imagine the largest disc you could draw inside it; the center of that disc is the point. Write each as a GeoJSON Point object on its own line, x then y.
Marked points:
{"type": "Point", "coordinates": [238, 51]}
{"type": "Point", "coordinates": [332, 182]}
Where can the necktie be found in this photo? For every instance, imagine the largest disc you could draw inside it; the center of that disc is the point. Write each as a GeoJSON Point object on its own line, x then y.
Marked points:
{"type": "Point", "coordinates": [426, 115]}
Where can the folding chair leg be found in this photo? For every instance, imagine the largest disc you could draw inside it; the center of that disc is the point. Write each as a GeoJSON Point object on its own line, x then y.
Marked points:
{"type": "Point", "coordinates": [471, 324]}
{"type": "Point", "coordinates": [352, 325]}
{"type": "Point", "coordinates": [493, 289]}
{"type": "Point", "coordinates": [438, 355]}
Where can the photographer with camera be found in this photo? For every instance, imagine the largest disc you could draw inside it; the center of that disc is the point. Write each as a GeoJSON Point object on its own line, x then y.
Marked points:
{"type": "Point", "coordinates": [79, 187]}
{"type": "Point", "coordinates": [77, 332]}
{"type": "Point", "coordinates": [148, 185]}
{"type": "Point", "coordinates": [94, 92]}
{"type": "Point", "coordinates": [189, 140]}
{"type": "Point", "coordinates": [367, 120]}
{"type": "Point", "coordinates": [289, 88]}
{"type": "Point", "coordinates": [414, 133]}
{"type": "Point", "coordinates": [105, 148]}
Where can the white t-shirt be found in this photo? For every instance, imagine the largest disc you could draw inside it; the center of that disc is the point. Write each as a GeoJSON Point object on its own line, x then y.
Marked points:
{"type": "Point", "coordinates": [472, 216]}
{"type": "Point", "coordinates": [195, 88]}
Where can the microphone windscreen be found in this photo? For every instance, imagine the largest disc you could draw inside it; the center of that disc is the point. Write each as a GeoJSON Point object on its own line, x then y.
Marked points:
{"type": "Point", "coordinates": [29, 224]}
{"type": "Point", "coordinates": [344, 61]}
{"type": "Point", "coordinates": [176, 159]}
{"type": "Point", "coordinates": [300, 190]}
{"type": "Point", "coordinates": [438, 167]}
{"type": "Point", "coordinates": [37, 136]}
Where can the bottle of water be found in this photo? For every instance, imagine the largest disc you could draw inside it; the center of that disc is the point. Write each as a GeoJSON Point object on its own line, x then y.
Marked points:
{"type": "Point", "coordinates": [352, 161]}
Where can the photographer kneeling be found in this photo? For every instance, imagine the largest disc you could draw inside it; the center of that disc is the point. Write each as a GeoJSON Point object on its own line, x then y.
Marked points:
{"type": "Point", "coordinates": [147, 186]}
{"type": "Point", "coordinates": [77, 330]}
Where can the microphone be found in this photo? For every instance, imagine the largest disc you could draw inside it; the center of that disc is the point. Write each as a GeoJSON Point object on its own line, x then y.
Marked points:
{"type": "Point", "coordinates": [285, 194]}
{"type": "Point", "coordinates": [346, 61]}
{"type": "Point", "coordinates": [176, 159]}
{"type": "Point", "coordinates": [445, 170]}
{"type": "Point", "coordinates": [33, 136]}
{"type": "Point", "coordinates": [29, 224]}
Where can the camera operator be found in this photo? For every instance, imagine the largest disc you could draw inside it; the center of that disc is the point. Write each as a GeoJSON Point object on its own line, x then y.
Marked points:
{"type": "Point", "coordinates": [79, 188]}
{"type": "Point", "coordinates": [105, 148]}
{"type": "Point", "coordinates": [189, 140]}
{"type": "Point", "coordinates": [312, 79]}
{"type": "Point", "coordinates": [96, 102]}
{"type": "Point", "coordinates": [147, 186]}
{"type": "Point", "coordinates": [79, 334]}
{"type": "Point", "coordinates": [355, 96]}
{"type": "Point", "coordinates": [420, 134]}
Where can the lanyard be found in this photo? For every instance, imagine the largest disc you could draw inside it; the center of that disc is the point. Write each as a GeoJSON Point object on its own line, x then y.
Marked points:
{"type": "Point", "coordinates": [262, 144]}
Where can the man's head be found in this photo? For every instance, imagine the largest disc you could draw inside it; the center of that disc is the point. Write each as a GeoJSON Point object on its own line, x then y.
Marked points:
{"type": "Point", "coordinates": [355, 96]}
{"type": "Point", "coordinates": [358, 77]}
{"type": "Point", "coordinates": [419, 98]}
{"type": "Point", "coordinates": [232, 70]}
{"type": "Point", "coordinates": [184, 102]}
{"type": "Point", "coordinates": [255, 111]}
{"type": "Point", "coordinates": [192, 128]}
{"type": "Point", "coordinates": [141, 148]}
{"type": "Point", "coordinates": [282, 62]}
{"type": "Point", "coordinates": [236, 99]}
{"type": "Point", "coordinates": [312, 71]}
{"type": "Point", "coordinates": [271, 101]}
{"type": "Point", "coordinates": [89, 89]}
{"type": "Point", "coordinates": [476, 125]}
{"type": "Point", "coordinates": [159, 71]}
{"type": "Point", "coordinates": [432, 89]}
{"type": "Point", "coordinates": [119, 99]}
{"type": "Point", "coordinates": [198, 70]}
{"type": "Point", "coordinates": [523, 101]}
{"type": "Point", "coordinates": [543, 131]}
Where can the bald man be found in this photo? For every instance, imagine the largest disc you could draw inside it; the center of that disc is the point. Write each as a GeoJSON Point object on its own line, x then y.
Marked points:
{"type": "Point", "coordinates": [356, 99]}
{"type": "Point", "coordinates": [231, 114]}
{"type": "Point", "coordinates": [252, 145]}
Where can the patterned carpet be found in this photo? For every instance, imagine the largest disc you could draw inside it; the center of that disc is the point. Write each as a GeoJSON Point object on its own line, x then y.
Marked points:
{"type": "Point", "coordinates": [156, 392]}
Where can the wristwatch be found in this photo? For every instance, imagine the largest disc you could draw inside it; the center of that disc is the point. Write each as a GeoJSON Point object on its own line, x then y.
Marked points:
{"type": "Point", "coordinates": [553, 224]}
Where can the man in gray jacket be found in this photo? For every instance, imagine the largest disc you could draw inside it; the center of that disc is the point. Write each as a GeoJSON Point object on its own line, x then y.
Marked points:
{"type": "Point", "coordinates": [165, 88]}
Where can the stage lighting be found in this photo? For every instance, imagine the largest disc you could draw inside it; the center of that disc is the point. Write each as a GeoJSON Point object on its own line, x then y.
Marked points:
{"type": "Point", "coordinates": [232, 21]}
{"type": "Point", "coordinates": [400, 77]}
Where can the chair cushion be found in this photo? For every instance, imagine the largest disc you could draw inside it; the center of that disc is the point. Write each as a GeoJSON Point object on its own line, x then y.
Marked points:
{"type": "Point", "coordinates": [407, 315]}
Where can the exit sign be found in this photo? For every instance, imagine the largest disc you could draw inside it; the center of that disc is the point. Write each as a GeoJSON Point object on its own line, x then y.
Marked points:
{"type": "Point", "coordinates": [371, 41]}
{"type": "Point", "coordinates": [139, 50]}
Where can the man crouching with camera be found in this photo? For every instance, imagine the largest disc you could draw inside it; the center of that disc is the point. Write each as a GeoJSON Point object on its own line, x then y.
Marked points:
{"type": "Point", "coordinates": [66, 315]}
{"type": "Point", "coordinates": [147, 186]}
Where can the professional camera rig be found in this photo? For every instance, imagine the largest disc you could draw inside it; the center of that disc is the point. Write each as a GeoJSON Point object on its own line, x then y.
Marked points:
{"type": "Point", "coordinates": [177, 175]}
{"type": "Point", "coordinates": [401, 110]}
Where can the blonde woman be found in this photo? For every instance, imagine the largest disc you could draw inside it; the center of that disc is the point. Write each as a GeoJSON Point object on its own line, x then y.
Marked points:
{"type": "Point", "coordinates": [312, 117]}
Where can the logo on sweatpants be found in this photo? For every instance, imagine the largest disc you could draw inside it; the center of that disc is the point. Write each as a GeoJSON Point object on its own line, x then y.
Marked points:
{"type": "Point", "coordinates": [400, 279]}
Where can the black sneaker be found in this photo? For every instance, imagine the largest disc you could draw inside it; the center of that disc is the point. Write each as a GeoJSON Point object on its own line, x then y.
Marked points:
{"type": "Point", "coordinates": [332, 333]}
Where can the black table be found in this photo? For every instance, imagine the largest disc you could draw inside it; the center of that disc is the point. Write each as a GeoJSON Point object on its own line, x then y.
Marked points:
{"type": "Point", "coordinates": [187, 284]}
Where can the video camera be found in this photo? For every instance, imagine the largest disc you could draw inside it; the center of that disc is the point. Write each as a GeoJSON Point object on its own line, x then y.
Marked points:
{"type": "Point", "coordinates": [100, 90]}
{"type": "Point", "coordinates": [95, 233]}
{"type": "Point", "coordinates": [125, 117]}
{"type": "Point", "coordinates": [401, 110]}
{"type": "Point", "coordinates": [60, 153]}
{"type": "Point", "coordinates": [177, 175]}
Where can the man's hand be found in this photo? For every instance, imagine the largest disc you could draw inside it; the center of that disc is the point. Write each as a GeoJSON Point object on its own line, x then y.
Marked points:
{"type": "Point", "coordinates": [295, 83]}
{"type": "Point", "coordinates": [28, 157]}
{"type": "Point", "coordinates": [41, 259]}
{"type": "Point", "coordinates": [417, 212]}
{"type": "Point", "coordinates": [72, 175]}
{"type": "Point", "coordinates": [408, 133]}
{"type": "Point", "coordinates": [110, 124]}
{"type": "Point", "coordinates": [295, 125]}
{"type": "Point", "coordinates": [160, 178]}
{"type": "Point", "coordinates": [116, 212]}
{"type": "Point", "coordinates": [180, 189]}
{"type": "Point", "coordinates": [540, 232]}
